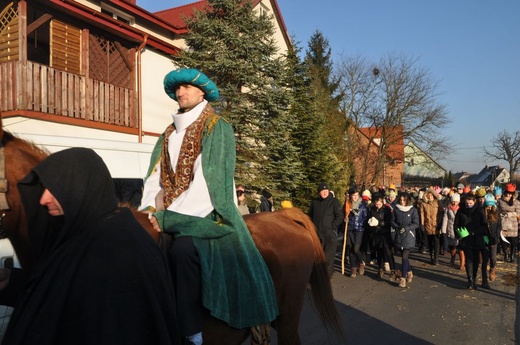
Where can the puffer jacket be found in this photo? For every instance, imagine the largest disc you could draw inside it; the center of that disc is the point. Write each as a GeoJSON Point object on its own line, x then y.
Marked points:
{"type": "Point", "coordinates": [509, 216]}
{"type": "Point", "coordinates": [448, 220]}
{"type": "Point", "coordinates": [358, 218]}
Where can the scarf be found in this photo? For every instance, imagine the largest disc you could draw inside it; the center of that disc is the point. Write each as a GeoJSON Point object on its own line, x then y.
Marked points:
{"type": "Point", "coordinates": [176, 182]}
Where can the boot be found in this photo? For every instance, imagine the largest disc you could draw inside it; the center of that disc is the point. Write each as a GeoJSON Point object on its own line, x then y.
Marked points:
{"type": "Point", "coordinates": [492, 274]}
{"type": "Point", "coordinates": [402, 283]}
{"type": "Point", "coordinates": [409, 276]}
{"type": "Point", "coordinates": [475, 282]}
{"type": "Point", "coordinates": [513, 255]}
{"type": "Point", "coordinates": [361, 268]}
{"type": "Point", "coordinates": [462, 260]}
{"type": "Point", "coordinates": [485, 284]}
{"type": "Point", "coordinates": [353, 272]}
{"type": "Point", "coordinates": [453, 257]}
{"type": "Point", "coordinates": [470, 284]}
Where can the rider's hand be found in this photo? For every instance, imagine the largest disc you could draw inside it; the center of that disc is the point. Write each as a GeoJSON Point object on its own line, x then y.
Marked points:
{"type": "Point", "coordinates": [4, 277]}
{"type": "Point", "coordinates": [154, 223]}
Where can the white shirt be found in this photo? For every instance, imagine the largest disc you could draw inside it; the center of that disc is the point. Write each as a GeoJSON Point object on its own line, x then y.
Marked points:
{"type": "Point", "coordinates": [195, 201]}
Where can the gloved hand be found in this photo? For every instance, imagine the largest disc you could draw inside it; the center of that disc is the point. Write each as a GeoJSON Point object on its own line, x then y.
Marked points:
{"type": "Point", "coordinates": [373, 221]}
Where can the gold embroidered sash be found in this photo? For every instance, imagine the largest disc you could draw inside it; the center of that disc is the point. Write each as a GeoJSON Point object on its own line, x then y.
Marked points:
{"type": "Point", "coordinates": [176, 182]}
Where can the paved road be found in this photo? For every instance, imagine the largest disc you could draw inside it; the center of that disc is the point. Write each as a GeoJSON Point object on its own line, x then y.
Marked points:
{"type": "Point", "coordinates": [436, 308]}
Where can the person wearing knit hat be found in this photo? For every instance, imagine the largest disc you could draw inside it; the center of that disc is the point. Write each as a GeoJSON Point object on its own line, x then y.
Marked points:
{"type": "Point", "coordinates": [429, 215]}
{"type": "Point", "coordinates": [489, 200]}
{"type": "Point", "coordinates": [356, 216]}
{"type": "Point", "coordinates": [391, 199]}
{"type": "Point", "coordinates": [366, 195]}
{"type": "Point", "coordinates": [509, 210]}
{"type": "Point", "coordinates": [185, 184]}
{"type": "Point", "coordinates": [327, 215]}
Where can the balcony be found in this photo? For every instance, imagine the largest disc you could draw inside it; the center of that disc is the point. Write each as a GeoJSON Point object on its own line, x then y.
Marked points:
{"type": "Point", "coordinates": [33, 87]}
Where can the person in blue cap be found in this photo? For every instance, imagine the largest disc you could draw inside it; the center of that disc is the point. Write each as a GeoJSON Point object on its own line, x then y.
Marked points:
{"type": "Point", "coordinates": [189, 193]}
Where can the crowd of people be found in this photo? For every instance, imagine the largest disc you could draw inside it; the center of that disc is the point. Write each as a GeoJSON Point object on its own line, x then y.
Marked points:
{"type": "Point", "coordinates": [479, 226]}
{"type": "Point", "coordinates": [379, 223]}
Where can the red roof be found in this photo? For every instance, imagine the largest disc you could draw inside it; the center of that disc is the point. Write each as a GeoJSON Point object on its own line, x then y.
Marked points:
{"type": "Point", "coordinates": [175, 16]}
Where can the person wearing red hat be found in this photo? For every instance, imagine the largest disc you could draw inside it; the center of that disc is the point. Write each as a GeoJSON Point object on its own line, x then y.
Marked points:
{"type": "Point", "coordinates": [509, 209]}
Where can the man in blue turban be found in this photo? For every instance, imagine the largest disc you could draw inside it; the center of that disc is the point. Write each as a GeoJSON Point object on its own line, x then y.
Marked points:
{"type": "Point", "coordinates": [190, 192]}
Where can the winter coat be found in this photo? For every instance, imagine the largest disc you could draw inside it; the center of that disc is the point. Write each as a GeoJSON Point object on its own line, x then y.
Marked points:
{"type": "Point", "coordinates": [474, 220]}
{"type": "Point", "coordinates": [429, 213]}
{"type": "Point", "coordinates": [265, 205]}
{"type": "Point", "coordinates": [448, 220]}
{"type": "Point", "coordinates": [326, 214]}
{"type": "Point", "coordinates": [357, 218]}
{"type": "Point", "coordinates": [509, 216]}
{"type": "Point", "coordinates": [380, 233]}
{"type": "Point", "coordinates": [405, 221]}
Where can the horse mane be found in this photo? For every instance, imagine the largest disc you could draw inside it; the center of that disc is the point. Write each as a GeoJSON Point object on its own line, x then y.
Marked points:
{"type": "Point", "coordinates": [23, 145]}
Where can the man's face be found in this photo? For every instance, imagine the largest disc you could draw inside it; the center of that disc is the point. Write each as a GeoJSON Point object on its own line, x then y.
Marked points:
{"type": "Point", "coordinates": [53, 206]}
{"type": "Point", "coordinates": [324, 193]}
{"type": "Point", "coordinates": [188, 96]}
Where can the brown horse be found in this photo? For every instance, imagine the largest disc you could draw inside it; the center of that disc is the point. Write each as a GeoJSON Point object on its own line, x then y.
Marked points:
{"type": "Point", "coordinates": [286, 239]}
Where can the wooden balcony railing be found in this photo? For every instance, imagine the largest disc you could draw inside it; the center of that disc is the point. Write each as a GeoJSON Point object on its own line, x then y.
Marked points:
{"type": "Point", "coordinates": [40, 88]}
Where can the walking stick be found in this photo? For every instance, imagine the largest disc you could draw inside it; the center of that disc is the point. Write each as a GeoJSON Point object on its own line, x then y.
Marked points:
{"type": "Point", "coordinates": [344, 248]}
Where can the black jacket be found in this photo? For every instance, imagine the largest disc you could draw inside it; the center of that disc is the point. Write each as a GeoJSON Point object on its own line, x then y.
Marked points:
{"type": "Point", "coordinates": [326, 214]}
{"type": "Point", "coordinates": [475, 221]}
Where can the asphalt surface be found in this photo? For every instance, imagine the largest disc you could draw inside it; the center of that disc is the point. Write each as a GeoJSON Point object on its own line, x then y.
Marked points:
{"type": "Point", "coordinates": [436, 308]}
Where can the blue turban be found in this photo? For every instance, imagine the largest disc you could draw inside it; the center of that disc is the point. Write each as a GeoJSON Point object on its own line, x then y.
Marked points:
{"type": "Point", "coordinates": [190, 76]}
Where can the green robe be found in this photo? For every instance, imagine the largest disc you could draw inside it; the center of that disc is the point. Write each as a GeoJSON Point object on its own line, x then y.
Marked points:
{"type": "Point", "coordinates": [236, 284]}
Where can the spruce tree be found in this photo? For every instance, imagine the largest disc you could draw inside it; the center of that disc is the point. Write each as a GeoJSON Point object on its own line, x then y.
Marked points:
{"type": "Point", "coordinates": [235, 47]}
{"type": "Point", "coordinates": [331, 163]}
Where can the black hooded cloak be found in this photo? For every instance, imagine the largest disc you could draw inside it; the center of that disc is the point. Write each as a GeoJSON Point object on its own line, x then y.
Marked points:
{"type": "Point", "coordinates": [99, 278]}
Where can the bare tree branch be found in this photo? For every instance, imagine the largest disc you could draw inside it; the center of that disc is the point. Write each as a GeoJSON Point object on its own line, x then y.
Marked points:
{"type": "Point", "coordinates": [505, 146]}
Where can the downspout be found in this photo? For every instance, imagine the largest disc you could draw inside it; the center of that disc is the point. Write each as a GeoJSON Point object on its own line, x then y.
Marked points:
{"type": "Point", "coordinates": [140, 90]}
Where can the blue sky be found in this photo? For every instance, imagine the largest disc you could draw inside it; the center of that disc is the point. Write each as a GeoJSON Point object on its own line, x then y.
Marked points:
{"type": "Point", "coordinates": [471, 47]}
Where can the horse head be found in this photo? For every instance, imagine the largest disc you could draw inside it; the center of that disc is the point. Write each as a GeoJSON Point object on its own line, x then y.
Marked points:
{"type": "Point", "coordinates": [19, 157]}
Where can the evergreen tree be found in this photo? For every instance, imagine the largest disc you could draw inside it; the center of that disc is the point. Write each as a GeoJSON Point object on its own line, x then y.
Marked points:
{"type": "Point", "coordinates": [235, 47]}
{"type": "Point", "coordinates": [331, 165]}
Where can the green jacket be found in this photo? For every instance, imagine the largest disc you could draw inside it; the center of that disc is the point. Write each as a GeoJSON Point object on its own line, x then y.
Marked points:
{"type": "Point", "coordinates": [236, 284]}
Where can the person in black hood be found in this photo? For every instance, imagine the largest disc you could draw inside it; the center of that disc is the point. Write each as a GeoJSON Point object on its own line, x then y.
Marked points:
{"type": "Point", "coordinates": [327, 215]}
{"type": "Point", "coordinates": [99, 278]}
